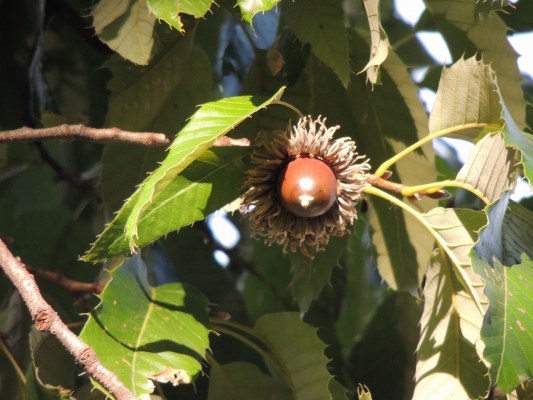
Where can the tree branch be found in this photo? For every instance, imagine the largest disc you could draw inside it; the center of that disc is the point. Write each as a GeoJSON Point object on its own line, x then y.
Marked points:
{"type": "Point", "coordinates": [61, 280]}
{"type": "Point", "coordinates": [47, 320]}
{"type": "Point", "coordinates": [373, 180]}
{"type": "Point", "coordinates": [105, 135]}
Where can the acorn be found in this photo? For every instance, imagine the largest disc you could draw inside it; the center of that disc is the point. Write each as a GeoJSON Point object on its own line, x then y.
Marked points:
{"type": "Point", "coordinates": [304, 187]}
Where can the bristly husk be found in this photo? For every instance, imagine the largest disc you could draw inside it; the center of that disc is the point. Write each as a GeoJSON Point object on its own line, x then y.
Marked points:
{"type": "Point", "coordinates": [310, 138]}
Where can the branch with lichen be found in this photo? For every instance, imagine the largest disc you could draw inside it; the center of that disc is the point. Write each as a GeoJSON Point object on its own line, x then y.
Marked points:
{"type": "Point", "coordinates": [82, 132]}
{"type": "Point", "coordinates": [46, 319]}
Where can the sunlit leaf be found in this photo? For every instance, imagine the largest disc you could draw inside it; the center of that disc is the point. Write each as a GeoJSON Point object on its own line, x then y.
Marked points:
{"type": "Point", "coordinates": [380, 43]}
{"type": "Point", "coordinates": [126, 26]}
{"type": "Point", "coordinates": [168, 10]}
{"type": "Point", "coordinates": [467, 100]}
{"type": "Point", "coordinates": [144, 333]}
{"type": "Point", "coordinates": [300, 351]}
{"type": "Point", "coordinates": [251, 7]}
{"type": "Point", "coordinates": [213, 180]}
{"type": "Point", "coordinates": [507, 330]}
{"type": "Point", "coordinates": [240, 380]}
{"type": "Point", "coordinates": [486, 35]}
{"type": "Point", "coordinates": [489, 167]}
{"type": "Point", "coordinates": [310, 275]}
{"type": "Point", "coordinates": [448, 364]}
{"type": "Point", "coordinates": [209, 123]}
{"type": "Point", "coordinates": [321, 24]}
{"type": "Point", "coordinates": [456, 232]}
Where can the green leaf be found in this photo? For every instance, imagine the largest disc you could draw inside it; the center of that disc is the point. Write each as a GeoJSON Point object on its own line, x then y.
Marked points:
{"type": "Point", "coordinates": [392, 334]}
{"type": "Point", "coordinates": [508, 234]}
{"type": "Point", "coordinates": [266, 290]}
{"type": "Point", "coordinates": [456, 232]}
{"type": "Point", "coordinates": [213, 180]}
{"type": "Point", "coordinates": [209, 123]}
{"type": "Point", "coordinates": [36, 390]}
{"type": "Point", "coordinates": [142, 94]}
{"type": "Point", "coordinates": [300, 353]}
{"type": "Point", "coordinates": [489, 167]}
{"type": "Point", "coordinates": [321, 24]}
{"type": "Point", "coordinates": [448, 364]}
{"type": "Point", "coordinates": [53, 365]}
{"type": "Point", "coordinates": [309, 276]}
{"type": "Point", "coordinates": [486, 34]}
{"type": "Point", "coordinates": [380, 43]}
{"type": "Point", "coordinates": [168, 10]}
{"type": "Point", "coordinates": [143, 333]}
{"type": "Point", "coordinates": [520, 141]}
{"type": "Point", "coordinates": [240, 380]}
{"type": "Point", "coordinates": [360, 293]}
{"type": "Point", "coordinates": [251, 7]}
{"type": "Point", "coordinates": [337, 391]}
{"type": "Point", "coordinates": [507, 330]}
{"type": "Point", "coordinates": [467, 101]}
{"type": "Point", "coordinates": [126, 27]}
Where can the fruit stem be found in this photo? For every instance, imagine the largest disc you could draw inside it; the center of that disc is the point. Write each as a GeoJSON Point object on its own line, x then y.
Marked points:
{"type": "Point", "coordinates": [282, 103]}
{"type": "Point", "coordinates": [386, 165]}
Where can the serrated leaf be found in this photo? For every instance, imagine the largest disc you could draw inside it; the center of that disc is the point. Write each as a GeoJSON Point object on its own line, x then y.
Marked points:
{"type": "Point", "coordinates": [54, 366]}
{"type": "Point", "coordinates": [300, 352]}
{"type": "Point", "coordinates": [141, 332]}
{"type": "Point", "coordinates": [507, 330]}
{"type": "Point", "coordinates": [321, 24]}
{"type": "Point", "coordinates": [467, 100]}
{"type": "Point", "coordinates": [168, 10]}
{"type": "Point", "coordinates": [448, 365]}
{"type": "Point", "coordinates": [508, 234]}
{"type": "Point", "coordinates": [489, 167]}
{"type": "Point", "coordinates": [126, 27]}
{"type": "Point", "coordinates": [309, 276]}
{"type": "Point", "coordinates": [213, 180]}
{"type": "Point", "coordinates": [240, 380]}
{"type": "Point", "coordinates": [209, 123]}
{"type": "Point", "coordinates": [251, 7]}
{"type": "Point", "coordinates": [486, 34]}
{"type": "Point", "coordinates": [36, 390]}
{"type": "Point", "coordinates": [456, 231]}
{"type": "Point", "coordinates": [380, 42]}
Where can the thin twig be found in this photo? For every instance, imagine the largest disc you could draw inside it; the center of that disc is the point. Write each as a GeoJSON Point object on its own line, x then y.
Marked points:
{"type": "Point", "coordinates": [105, 135]}
{"type": "Point", "coordinates": [67, 176]}
{"type": "Point", "coordinates": [47, 320]}
{"type": "Point", "coordinates": [373, 180]}
{"type": "Point", "coordinates": [66, 283]}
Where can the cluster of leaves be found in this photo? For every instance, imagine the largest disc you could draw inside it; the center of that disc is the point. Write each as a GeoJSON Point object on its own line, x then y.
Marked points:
{"type": "Point", "coordinates": [458, 325]}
